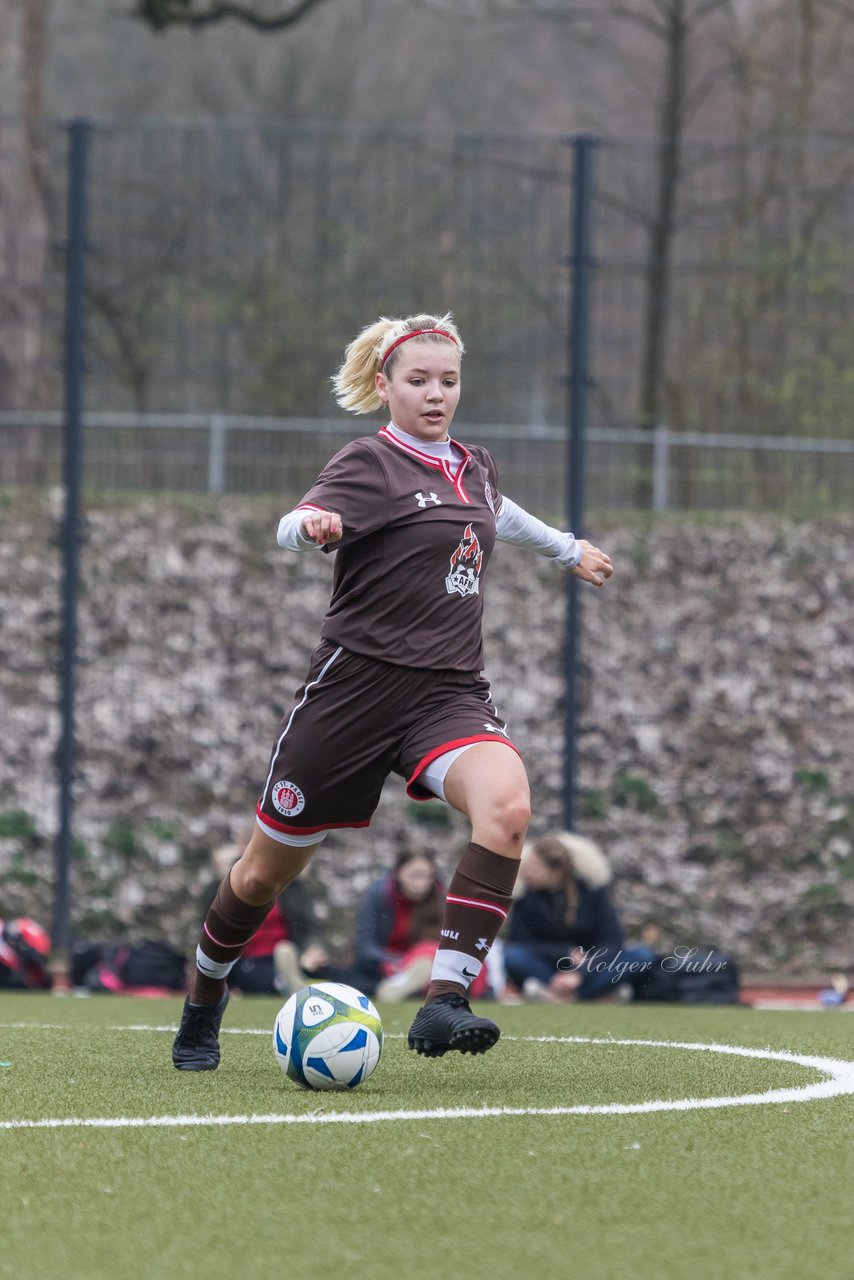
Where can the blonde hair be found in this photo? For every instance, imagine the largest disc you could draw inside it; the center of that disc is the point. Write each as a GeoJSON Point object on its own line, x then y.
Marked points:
{"type": "Point", "coordinates": [355, 382]}
{"type": "Point", "coordinates": [576, 858]}
{"type": "Point", "coordinates": [574, 855]}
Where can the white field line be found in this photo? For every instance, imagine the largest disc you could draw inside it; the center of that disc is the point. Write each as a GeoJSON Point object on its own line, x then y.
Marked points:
{"type": "Point", "coordinates": [125, 1026]}
{"type": "Point", "coordinates": [839, 1081]}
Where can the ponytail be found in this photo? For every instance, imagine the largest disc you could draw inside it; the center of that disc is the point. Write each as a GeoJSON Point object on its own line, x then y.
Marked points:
{"type": "Point", "coordinates": [371, 351]}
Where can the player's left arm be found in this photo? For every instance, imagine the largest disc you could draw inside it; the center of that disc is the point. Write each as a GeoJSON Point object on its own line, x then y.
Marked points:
{"type": "Point", "coordinates": [593, 566]}
{"type": "Point", "coordinates": [516, 525]}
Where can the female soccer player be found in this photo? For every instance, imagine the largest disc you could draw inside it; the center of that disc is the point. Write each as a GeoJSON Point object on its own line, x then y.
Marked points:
{"type": "Point", "coordinates": [395, 685]}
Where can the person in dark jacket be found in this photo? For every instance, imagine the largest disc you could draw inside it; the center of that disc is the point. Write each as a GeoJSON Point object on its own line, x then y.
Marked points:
{"type": "Point", "coordinates": [564, 940]}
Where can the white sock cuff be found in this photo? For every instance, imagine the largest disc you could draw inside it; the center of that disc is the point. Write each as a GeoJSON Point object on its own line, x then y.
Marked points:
{"type": "Point", "coordinates": [213, 968]}
{"type": "Point", "coordinates": [455, 966]}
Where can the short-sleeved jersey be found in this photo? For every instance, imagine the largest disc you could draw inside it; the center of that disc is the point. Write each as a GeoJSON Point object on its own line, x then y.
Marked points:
{"type": "Point", "coordinates": [410, 567]}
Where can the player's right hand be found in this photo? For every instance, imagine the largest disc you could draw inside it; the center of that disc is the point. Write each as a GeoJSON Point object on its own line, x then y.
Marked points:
{"type": "Point", "coordinates": [322, 526]}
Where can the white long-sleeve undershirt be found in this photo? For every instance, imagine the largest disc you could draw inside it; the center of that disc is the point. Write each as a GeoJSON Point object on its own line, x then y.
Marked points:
{"type": "Point", "coordinates": [290, 535]}
{"type": "Point", "coordinates": [512, 524]}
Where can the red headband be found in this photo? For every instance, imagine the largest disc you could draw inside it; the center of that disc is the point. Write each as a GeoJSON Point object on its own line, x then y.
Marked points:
{"type": "Point", "coordinates": [415, 333]}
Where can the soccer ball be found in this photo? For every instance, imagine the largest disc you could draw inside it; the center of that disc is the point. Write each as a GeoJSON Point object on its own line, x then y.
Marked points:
{"type": "Point", "coordinates": [328, 1036]}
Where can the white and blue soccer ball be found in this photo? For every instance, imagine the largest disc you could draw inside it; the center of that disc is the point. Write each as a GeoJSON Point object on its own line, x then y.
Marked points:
{"type": "Point", "coordinates": [328, 1036]}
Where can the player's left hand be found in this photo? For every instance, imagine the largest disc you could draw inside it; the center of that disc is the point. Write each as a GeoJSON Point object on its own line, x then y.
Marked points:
{"type": "Point", "coordinates": [594, 566]}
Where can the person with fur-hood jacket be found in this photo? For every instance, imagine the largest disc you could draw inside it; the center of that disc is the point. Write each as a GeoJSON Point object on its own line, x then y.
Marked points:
{"type": "Point", "coordinates": [564, 940]}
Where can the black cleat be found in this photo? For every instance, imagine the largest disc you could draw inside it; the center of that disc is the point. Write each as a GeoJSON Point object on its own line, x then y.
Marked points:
{"type": "Point", "coordinates": [448, 1023]}
{"type": "Point", "coordinates": [196, 1046]}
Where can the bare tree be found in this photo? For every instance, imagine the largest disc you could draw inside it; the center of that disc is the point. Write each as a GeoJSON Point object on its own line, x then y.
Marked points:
{"type": "Point", "coordinates": [681, 82]}
{"type": "Point", "coordinates": [195, 14]}
{"type": "Point", "coordinates": [767, 75]}
{"type": "Point", "coordinates": [790, 175]}
{"type": "Point", "coordinates": [24, 238]}
{"type": "Point", "coordinates": [764, 75]}
{"type": "Point", "coordinates": [675, 25]}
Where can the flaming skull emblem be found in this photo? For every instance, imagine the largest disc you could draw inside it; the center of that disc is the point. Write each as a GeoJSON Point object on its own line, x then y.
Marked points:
{"type": "Point", "coordinates": [464, 576]}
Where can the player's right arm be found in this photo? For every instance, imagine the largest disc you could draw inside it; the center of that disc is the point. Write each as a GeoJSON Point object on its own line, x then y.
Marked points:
{"type": "Point", "coordinates": [321, 526]}
{"type": "Point", "coordinates": [351, 485]}
{"type": "Point", "coordinates": [309, 527]}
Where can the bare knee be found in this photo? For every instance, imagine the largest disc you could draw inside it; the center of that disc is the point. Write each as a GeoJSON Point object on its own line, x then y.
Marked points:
{"type": "Point", "coordinates": [488, 783]}
{"type": "Point", "coordinates": [515, 816]}
{"type": "Point", "coordinates": [260, 875]}
{"type": "Point", "coordinates": [503, 825]}
{"type": "Point", "coordinates": [255, 884]}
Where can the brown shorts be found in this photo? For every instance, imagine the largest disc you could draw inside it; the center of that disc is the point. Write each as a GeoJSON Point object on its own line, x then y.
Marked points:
{"type": "Point", "coordinates": [355, 721]}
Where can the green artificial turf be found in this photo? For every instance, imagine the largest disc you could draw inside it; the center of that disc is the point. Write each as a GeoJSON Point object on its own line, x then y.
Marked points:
{"type": "Point", "coordinates": [760, 1191]}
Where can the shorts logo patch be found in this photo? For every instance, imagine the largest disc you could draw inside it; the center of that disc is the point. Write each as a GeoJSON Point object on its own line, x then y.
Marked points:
{"type": "Point", "coordinates": [288, 799]}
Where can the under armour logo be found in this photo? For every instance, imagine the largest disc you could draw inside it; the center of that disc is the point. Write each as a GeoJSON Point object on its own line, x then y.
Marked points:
{"type": "Point", "coordinates": [431, 497]}
{"type": "Point", "coordinates": [481, 945]}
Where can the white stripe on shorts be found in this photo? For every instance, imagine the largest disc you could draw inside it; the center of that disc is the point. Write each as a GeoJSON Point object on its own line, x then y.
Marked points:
{"type": "Point", "coordinates": [327, 664]}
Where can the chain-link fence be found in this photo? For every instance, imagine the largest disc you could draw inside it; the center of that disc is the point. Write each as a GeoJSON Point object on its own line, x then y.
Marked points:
{"type": "Point", "coordinates": [227, 267]}
{"type": "Point", "coordinates": [722, 318]}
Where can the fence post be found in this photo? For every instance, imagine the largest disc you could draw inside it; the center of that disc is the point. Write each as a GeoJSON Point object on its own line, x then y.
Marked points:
{"type": "Point", "coordinates": [581, 264]}
{"type": "Point", "coordinates": [73, 371]}
{"type": "Point", "coordinates": [216, 454]}
{"type": "Point", "coordinates": [661, 467]}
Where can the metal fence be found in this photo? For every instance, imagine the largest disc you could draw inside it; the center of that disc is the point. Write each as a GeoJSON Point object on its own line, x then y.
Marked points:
{"type": "Point", "coordinates": [219, 453]}
{"type": "Point", "coordinates": [226, 267]}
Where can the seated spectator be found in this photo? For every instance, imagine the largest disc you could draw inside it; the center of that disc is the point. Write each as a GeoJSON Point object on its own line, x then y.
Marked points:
{"type": "Point", "coordinates": [24, 955]}
{"type": "Point", "coordinates": [564, 940]}
{"type": "Point", "coordinates": [397, 930]}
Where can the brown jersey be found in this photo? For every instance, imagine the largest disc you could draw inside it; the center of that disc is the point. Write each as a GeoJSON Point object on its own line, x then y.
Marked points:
{"type": "Point", "coordinates": [410, 567]}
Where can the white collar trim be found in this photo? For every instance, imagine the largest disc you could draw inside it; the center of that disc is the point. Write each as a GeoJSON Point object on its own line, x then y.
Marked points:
{"type": "Point", "coordinates": [439, 449]}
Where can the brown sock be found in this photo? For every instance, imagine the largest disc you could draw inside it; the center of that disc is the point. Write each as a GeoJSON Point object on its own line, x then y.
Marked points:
{"type": "Point", "coordinates": [228, 926]}
{"type": "Point", "coordinates": [476, 907]}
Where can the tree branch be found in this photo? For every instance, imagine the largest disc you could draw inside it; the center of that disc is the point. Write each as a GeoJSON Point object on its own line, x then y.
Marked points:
{"type": "Point", "coordinates": [513, 9]}
{"type": "Point", "coordinates": [707, 8]}
{"type": "Point", "coordinates": [188, 13]}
